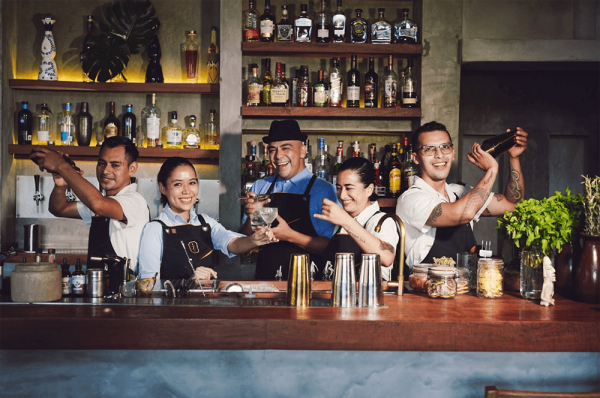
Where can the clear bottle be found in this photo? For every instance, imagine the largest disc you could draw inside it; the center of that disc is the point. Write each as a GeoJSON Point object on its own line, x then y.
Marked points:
{"type": "Point", "coordinates": [78, 280]}
{"type": "Point", "coordinates": [66, 278]}
{"type": "Point", "coordinates": [339, 159]}
{"type": "Point", "coordinates": [44, 126]}
{"type": "Point", "coordinates": [84, 126]}
{"type": "Point", "coordinates": [321, 165]}
{"type": "Point", "coordinates": [67, 127]}
{"type": "Point", "coordinates": [267, 24]}
{"type": "Point", "coordinates": [253, 87]}
{"type": "Point", "coordinates": [172, 133]}
{"type": "Point", "coordinates": [359, 28]}
{"type": "Point", "coordinates": [190, 55]}
{"type": "Point", "coordinates": [151, 123]}
{"type": "Point", "coordinates": [303, 88]}
{"type": "Point", "coordinates": [381, 30]}
{"type": "Point", "coordinates": [308, 160]}
{"type": "Point", "coordinates": [390, 85]}
{"type": "Point", "coordinates": [336, 87]}
{"type": "Point", "coordinates": [267, 84]}
{"type": "Point", "coordinates": [211, 131]}
{"type": "Point", "coordinates": [320, 91]}
{"type": "Point", "coordinates": [409, 90]}
{"type": "Point", "coordinates": [339, 24]}
{"type": "Point", "coordinates": [129, 122]}
{"type": "Point", "coordinates": [371, 86]}
{"type": "Point", "coordinates": [111, 123]}
{"type": "Point", "coordinates": [405, 31]}
{"type": "Point", "coordinates": [213, 58]}
{"type": "Point", "coordinates": [24, 124]}
{"type": "Point", "coordinates": [303, 26]}
{"type": "Point", "coordinates": [323, 25]}
{"type": "Point", "coordinates": [191, 135]}
{"type": "Point", "coordinates": [251, 22]}
{"type": "Point", "coordinates": [353, 82]}
{"type": "Point", "coordinates": [266, 168]}
{"type": "Point", "coordinates": [90, 31]}
{"type": "Point", "coordinates": [280, 90]}
{"type": "Point", "coordinates": [285, 30]}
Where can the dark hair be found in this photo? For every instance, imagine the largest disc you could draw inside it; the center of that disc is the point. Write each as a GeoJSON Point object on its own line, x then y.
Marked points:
{"type": "Point", "coordinates": [426, 128]}
{"type": "Point", "coordinates": [364, 169]}
{"type": "Point", "coordinates": [131, 152]}
{"type": "Point", "coordinates": [167, 169]}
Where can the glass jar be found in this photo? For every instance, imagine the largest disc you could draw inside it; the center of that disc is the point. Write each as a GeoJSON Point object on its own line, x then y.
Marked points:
{"type": "Point", "coordinates": [418, 278]}
{"type": "Point", "coordinates": [462, 281]}
{"type": "Point", "coordinates": [490, 278]}
{"type": "Point", "coordinates": [441, 282]}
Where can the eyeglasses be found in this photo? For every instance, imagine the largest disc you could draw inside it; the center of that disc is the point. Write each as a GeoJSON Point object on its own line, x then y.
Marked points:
{"type": "Point", "coordinates": [429, 150]}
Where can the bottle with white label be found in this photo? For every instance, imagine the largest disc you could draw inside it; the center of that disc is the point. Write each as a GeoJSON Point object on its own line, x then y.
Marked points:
{"type": "Point", "coordinates": [191, 136]}
{"type": "Point", "coordinates": [78, 280]}
{"type": "Point", "coordinates": [151, 123]}
{"type": "Point", "coordinates": [66, 278]}
{"type": "Point", "coordinates": [67, 127]}
{"type": "Point", "coordinates": [43, 126]}
{"type": "Point", "coordinates": [172, 133]}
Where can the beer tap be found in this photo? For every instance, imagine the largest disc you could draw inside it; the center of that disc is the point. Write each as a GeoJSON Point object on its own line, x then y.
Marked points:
{"type": "Point", "coordinates": [37, 196]}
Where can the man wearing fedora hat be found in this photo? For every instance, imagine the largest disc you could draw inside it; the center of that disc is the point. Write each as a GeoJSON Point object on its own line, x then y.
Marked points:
{"type": "Point", "coordinates": [298, 195]}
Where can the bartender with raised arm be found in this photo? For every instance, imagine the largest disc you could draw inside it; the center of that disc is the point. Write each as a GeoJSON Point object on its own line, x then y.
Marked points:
{"type": "Point", "coordinates": [438, 216]}
{"type": "Point", "coordinates": [298, 195]}
{"type": "Point", "coordinates": [117, 218]}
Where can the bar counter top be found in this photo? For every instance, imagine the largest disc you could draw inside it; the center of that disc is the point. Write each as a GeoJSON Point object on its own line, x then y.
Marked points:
{"type": "Point", "coordinates": [411, 322]}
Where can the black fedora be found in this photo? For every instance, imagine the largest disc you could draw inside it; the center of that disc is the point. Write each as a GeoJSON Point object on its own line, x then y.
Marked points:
{"type": "Point", "coordinates": [284, 130]}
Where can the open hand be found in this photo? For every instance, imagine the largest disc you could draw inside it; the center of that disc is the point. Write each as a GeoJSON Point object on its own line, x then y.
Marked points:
{"type": "Point", "coordinates": [520, 143]}
{"type": "Point", "coordinates": [332, 212]}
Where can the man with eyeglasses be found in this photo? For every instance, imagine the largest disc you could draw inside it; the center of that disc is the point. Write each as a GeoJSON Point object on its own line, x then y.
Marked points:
{"type": "Point", "coordinates": [438, 216]}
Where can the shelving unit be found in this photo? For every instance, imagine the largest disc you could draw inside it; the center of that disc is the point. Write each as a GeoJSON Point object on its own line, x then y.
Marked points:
{"type": "Point", "coordinates": [171, 88]}
{"type": "Point", "coordinates": [319, 50]}
{"type": "Point", "coordinates": [315, 112]}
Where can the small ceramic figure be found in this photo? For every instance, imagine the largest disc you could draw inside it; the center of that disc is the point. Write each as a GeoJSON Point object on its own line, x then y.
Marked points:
{"type": "Point", "coordinates": [548, 286]}
{"type": "Point", "coordinates": [313, 270]}
{"type": "Point", "coordinates": [48, 66]}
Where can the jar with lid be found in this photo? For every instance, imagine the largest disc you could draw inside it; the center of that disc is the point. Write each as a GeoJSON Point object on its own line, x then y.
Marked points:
{"type": "Point", "coordinates": [462, 281]}
{"type": "Point", "coordinates": [490, 278]}
{"type": "Point", "coordinates": [441, 282]}
{"type": "Point", "coordinates": [418, 278]}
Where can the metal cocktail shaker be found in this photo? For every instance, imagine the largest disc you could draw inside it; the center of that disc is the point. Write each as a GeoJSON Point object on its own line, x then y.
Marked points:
{"type": "Point", "coordinates": [84, 126]}
{"type": "Point", "coordinates": [370, 292]}
{"type": "Point", "coordinates": [344, 281]}
{"type": "Point", "coordinates": [298, 286]}
{"type": "Point", "coordinates": [95, 282]}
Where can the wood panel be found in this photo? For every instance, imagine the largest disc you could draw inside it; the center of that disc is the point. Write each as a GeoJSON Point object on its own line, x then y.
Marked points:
{"type": "Point", "coordinates": [330, 112]}
{"type": "Point", "coordinates": [320, 50]}
{"type": "Point", "coordinates": [147, 88]}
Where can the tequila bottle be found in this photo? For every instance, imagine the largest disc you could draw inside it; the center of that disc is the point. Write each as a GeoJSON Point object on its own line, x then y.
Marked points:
{"type": "Point", "coordinates": [24, 125]}
{"type": "Point", "coordinates": [251, 22]}
{"type": "Point", "coordinates": [151, 123]}
{"type": "Point", "coordinates": [191, 135]}
{"type": "Point", "coordinates": [381, 30]}
{"type": "Point", "coordinates": [267, 24]}
{"type": "Point", "coordinates": [111, 124]}
{"type": "Point", "coordinates": [213, 58]}
{"type": "Point", "coordinates": [390, 85]}
{"type": "Point", "coordinates": [285, 30]}
{"type": "Point", "coordinates": [280, 90]}
{"type": "Point", "coordinates": [405, 31]}
{"type": "Point", "coordinates": [190, 56]}
{"type": "Point", "coordinates": [336, 87]}
{"type": "Point", "coordinates": [253, 87]}
{"type": "Point", "coordinates": [359, 27]}
{"type": "Point", "coordinates": [323, 22]}
{"type": "Point", "coordinates": [353, 81]}
{"type": "Point", "coordinates": [339, 24]}
{"type": "Point", "coordinates": [303, 26]}
{"type": "Point", "coordinates": [211, 131]}
{"type": "Point", "coordinates": [371, 84]}
{"type": "Point", "coordinates": [44, 126]}
{"type": "Point", "coordinates": [321, 164]}
{"type": "Point", "coordinates": [172, 133]}
{"type": "Point", "coordinates": [67, 126]}
{"type": "Point", "coordinates": [320, 91]}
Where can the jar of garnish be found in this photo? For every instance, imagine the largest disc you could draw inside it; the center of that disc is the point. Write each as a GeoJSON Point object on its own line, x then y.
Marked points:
{"type": "Point", "coordinates": [418, 278]}
{"type": "Point", "coordinates": [490, 278]}
{"type": "Point", "coordinates": [441, 282]}
{"type": "Point", "coordinates": [462, 281]}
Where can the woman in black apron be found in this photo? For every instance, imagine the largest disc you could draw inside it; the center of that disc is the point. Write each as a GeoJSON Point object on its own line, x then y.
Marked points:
{"type": "Point", "coordinates": [358, 218]}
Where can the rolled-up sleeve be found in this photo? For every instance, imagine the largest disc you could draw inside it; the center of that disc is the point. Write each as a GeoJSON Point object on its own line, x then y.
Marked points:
{"type": "Point", "coordinates": [221, 236]}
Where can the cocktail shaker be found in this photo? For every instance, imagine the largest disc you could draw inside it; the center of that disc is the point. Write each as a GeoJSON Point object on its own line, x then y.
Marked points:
{"type": "Point", "coordinates": [298, 286]}
{"type": "Point", "coordinates": [370, 292]}
{"type": "Point", "coordinates": [344, 281]}
{"type": "Point", "coordinates": [84, 126]}
{"type": "Point", "coordinates": [95, 282]}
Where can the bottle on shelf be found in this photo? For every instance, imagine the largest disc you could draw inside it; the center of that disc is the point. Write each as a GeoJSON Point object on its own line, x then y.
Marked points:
{"type": "Point", "coordinates": [294, 87]}
{"type": "Point", "coordinates": [84, 125]}
{"type": "Point", "coordinates": [308, 160]}
{"type": "Point", "coordinates": [303, 88]}
{"type": "Point", "coordinates": [353, 82]}
{"type": "Point", "coordinates": [151, 123]}
{"type": "Point", "coordinates": [359, 28]}
{"type": "Point", "coordinates": [394, 174]}
{"type": "Point", "coordinates": [90, 31]}
{"type": "Point", "coordinates": [405, 30]}
{"type": "Point", "coordinates": [191, 135]}
{"type": "Point", "coordinates": [339, 24]}
{"type": "Point", "coordinates": [400, 84]}
{"type": "Point", "coordinates": [409, 89]}
{"type": "Point", "coordinates": [320, 91]}
{"type": "Point", "coordinates": [129, 122]}
{"type": "Point", "coordinates": [371, 86]}
{"type": "Point", "coordinates": [377, 182]}
{"type": "Point", "coordinates": [385, 161]}
{"type": "Point", "coordinates": [24, 124]}
{"type": "Point", "coordinates": [323, 25]}
{"type": "Point", "coordinates": [355, 150]}
{"type": "Point", "coordinates": [280, 90]}
{"type": "Point", "coordinates": [285, 30]}
{"type": "Point", "coordinates": [172, 133]}
{"type": "Point", "coordinates": [390, 85]}
{"type": "Point", "coordinates": [336, 88]}
{"type": "Point", "coordinates": [409, 169]}
{"type": "Point", "coordinates": [78, 280]}
{"type": "Point", "coordinates": [211, 131]}
{"type": "Point", "coordinates": [251, 22]}
{"type": "Point", "coordinates": [249, 175]}
{"type": "Point", "coordinates": [253, 87]}
{"type": "Point", "coordinates": [67, 127]}
{"type": "Point", "coordinates": [267, 84]}
{"type": "Point", "coordinates": [44, 126]}
{"type": "Point", "coordinates": [52, 255]}
{"type": "Point", "coordinates": [321, 165]}
{"type": "Point", "coordinates": [303, 26]}
{"type": "Point", "coordinates": [66, 278]}
{"type": "Point", "coordinates": [266, 168]}
{"type": "Point", "coordinates": [213, 58]}
{"type": "Point", "coordinates": [154, 72]}
{"type": "Point", "coordinates": [381, 29]}
{"type": "Point", "coordinates": [339, 159]}
{"type": "Point", "coordinates": [111, 123]}
{"type": "Point", "coordinates": [190, 56]}
{"type": "Point", "coordinates": [372, 152]}
{"type": "Point", "coordinates": [267, 24]}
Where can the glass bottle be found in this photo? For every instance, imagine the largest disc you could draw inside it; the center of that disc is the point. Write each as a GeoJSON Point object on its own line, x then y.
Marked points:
{"type": "Point", "coordinates": [499, 144]}
{"type": "Point", "coordinates": [308, 160]}
{"type": "Point", "coordinates": [67, 127]}
{"type": "Point", "coordinates": [267, 24]}
{"type": "Point", "coordinates": [253, 87]}
{"type": "Point", "coordinates": [323, 25]}
{"type": "Point", "coordinates": [213, 58]}
{"type": "Point", "coordinates": [320, 91]}
{"type": "Point", "coordinates": [111, 123]}
{"type": "Point", "coordinates": [151, 123]}
{"type": "Point", "coordinates": [303, 88]}
{"type": "Point", "coordinates": [285, 30]}
{"type": "Point", "coordinates": [266, 168]}
{"type": "Point", "coordinates": [251, 22]}
{"type": "Point", "coordinates": [90, 31]}
{"type": "Point", "coordinates": [355, 149]}
{"type": "Point", "coordinates": [381, 30]}
{"type": "Point", "coordinates": [24, 124]}
{"type": "Point", "coordinates": [280, 89]}
{"type": "Point", "coordinates": [267, 84]}
{"type": "Point", "coordinates": [129, 122]}
{"type": "Point", "coordinates": [405, 31]}
{"type": "Point", "coordinates": [394, 174]}
{"type": "Point", "coordinates": [211, 131]}
{"type": "Point", "coordinates": [353, 81]}
{"type": "Point", "coordinates": [294, 87]}
{"type": "Point", "coordinates": [321, 165]}
{"type": "Point", "coordinates": [409, 90]}
{"type": "Point", "coordinates": [191, 135]}
{"type": "Point", "coordinates": [409, 169]}
{"type": "Point", "coordinates": [335, 84]}
{"type": "Point", "coordinates": [66, 278]}
{"type": "Point", "coordinates": [303, 26]}
{"type": "Point", "coordinates": [377, 182]}
{"type": "Point", "coordinates": [172, 133]}
{"type": "Point", "coordinates": [371, 86]}
{"type": "Point", "coordinates": [78, 280]}
{"type": "Point", "coordinates": [44, 126]}
{"type": "Point", "coordinates": [190, 56]}
{"type": "Point", "coordinates": [249, 175]}
{"type": "Point", "coordinates": [359, 27]}
{"type": "Point", "coordinates": [339, 24]}
{"type": "Point", "coordinates": [154, 72]}
{"type": "Point", "coordinates": [390, 85]}
{"type": "Point", "coordinates": [339, 159]}
{"type": "Point", "coordinates": [84, 126]}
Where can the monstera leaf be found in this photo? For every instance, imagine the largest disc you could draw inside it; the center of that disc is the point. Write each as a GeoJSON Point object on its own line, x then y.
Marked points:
{"type": "Point", "coordinates": [127, 27]}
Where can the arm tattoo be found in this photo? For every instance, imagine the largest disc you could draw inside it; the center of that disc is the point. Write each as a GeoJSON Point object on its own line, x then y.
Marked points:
{"type": "Point", "coordinates": [386, 246]}
{"type": "Point", "coordinates": [435, 213]}
{"type": "Point", "coordinates": [476, 199]}
{"type": "Point", "coordinates": [514, 190]}
{"type": "Point", "coordinates": [357, 237]}
{"type": "Point", "coordinates": [498, 197]}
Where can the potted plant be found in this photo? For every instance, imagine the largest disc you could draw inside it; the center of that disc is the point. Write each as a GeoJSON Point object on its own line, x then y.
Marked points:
{"type": "Point", "coordinates": [587, 277]}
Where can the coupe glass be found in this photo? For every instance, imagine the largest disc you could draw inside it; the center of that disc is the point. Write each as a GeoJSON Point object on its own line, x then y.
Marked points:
{"type": "Point", "coordinates": [269, 214]}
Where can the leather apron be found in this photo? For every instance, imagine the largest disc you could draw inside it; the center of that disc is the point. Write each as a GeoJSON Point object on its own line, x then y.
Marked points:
{"type": "Point", "coordinates": [292, 207]}
{"type": "Point", "coordinates": [99, 244]}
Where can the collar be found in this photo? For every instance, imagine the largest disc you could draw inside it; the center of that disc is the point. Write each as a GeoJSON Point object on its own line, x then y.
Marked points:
{"type": "Point", "coordinates": [367, 213]}
{"type": "Point", "coordinates": [450, 189]}
{"type": "Point", "coordinates": [127, 189]}
{"type": "Point", "coordinates": [176, 219]}
{"type": "Point", "coordinates": [298, 178]}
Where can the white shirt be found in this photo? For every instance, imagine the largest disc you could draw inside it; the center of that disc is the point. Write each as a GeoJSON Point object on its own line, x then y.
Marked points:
{"type": "Point", "coordinates": [414, 208]}
{"type": "Point", "coordinates": [124, 237]}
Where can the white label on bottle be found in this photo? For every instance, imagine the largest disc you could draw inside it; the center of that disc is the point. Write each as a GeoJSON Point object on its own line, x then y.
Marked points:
{"type": "Point", "coordinates": [303, 22]}
{"type": "Point", "coordinates": [409, 100]}
{"type": "Point", "coordinates": [78, 284]}
{"type": "Point", "coordinates": [153, 127]}
{"type": "Point", "coordinates": [254, 94]}
{"type": "Point", "coordinates": [66, 285]}
{"type": "Point", "coordinates": [323, 33]}
{"type": "Point", "coordinates": [339, 24]}
{"type": "Point", "coordinates": [192, 139]}
{"type": "Point", "coordinates": [390, 90]}
{"type": "Point", "coordinates": [353, 93]}
{"type": "Point", "coordinates": [173, 137]}
{"type": "Point", "coordinates": [319, 96]}
{"type": "Point", "coordinates": [279, 95]}
{"type": "Point", "coordinates": [266, 28]}
{"type": "Point", "coordinates": [43, 135]}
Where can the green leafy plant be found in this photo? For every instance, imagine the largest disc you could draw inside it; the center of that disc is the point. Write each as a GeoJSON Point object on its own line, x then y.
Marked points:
{"type": "Point", "coordinates": [591, 205]}
{"type": "Point", "coordinates": [127, 27]}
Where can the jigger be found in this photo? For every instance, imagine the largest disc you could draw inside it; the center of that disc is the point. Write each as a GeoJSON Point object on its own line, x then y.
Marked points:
{"type": "Point", "coordinates": [370, 292]}
{"type": "Point", "coordinates": [344, 281]}
{"type": "Point", "coordinates": [298, 286]}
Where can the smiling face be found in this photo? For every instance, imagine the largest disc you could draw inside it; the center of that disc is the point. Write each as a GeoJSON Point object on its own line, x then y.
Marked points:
{"type": "Point", "coordinates": [181, 190]}
{"type": "Point", "coordinates": [113, 170]}
{"type": "Point", "coordinates": [287, 157]}
{"type": "Point", "coordinates": [437, 167]}
{"type": "Point", "coordinates": [352, 193]}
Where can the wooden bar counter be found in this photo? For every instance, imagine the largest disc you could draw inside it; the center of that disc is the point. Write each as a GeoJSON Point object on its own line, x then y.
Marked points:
{"type": "Point", "coordinates": [412, 322]}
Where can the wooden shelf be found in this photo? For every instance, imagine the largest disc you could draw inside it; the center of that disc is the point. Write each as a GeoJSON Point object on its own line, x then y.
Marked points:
{"type": "Point", "coordinates": [147, 155]}
{"type": "Point", "coordinates": [173, 88]}
{"type": "Point", "coordinates": [320, 50]}
{"type": "Point", "coordinates": [387, 202]}
{"type": "Point", "coordinates": [334, 112]}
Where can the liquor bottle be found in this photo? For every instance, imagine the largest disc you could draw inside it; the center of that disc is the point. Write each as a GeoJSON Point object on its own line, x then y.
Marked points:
{"type": "Point", "coordinates": [67, 127]}
{"type": "Point", "coordinates": [390, 85]}
{"type": "Point", "coordinates": [213, 58]}
{"type": "Point", "coordinates": [377, 182]}
{"type": "Point", "coordinates": [172, 133]}
{"type": "Point", "coordinates": [409, 169]}
{"type": "Point", "coordinates": [323, 25]}
{"type": "Point", "coordinates": [44, 126]}
{"type": "Point", "coordinates": [381, 30]}
{"type": "Point", "coordinates": [191, 135]}
{"type": "Point", "coordinates": [372, 152]}
{"type": "Point", "coordinates": [394, 174]}
{"type": "Point", "coordinates": [353, 81]}
{"type": "Point", "coordinates": [285, 30]}
{"type": "Point", "coordinates": [303, 88]}
{"type": "Point", "coordinates": [253, 87]}
{"type": "Point", "coordinates": [321, 165]}
{"type": "Point", "coordinates": [339, 159]}
{"type": "Point", "coordinates": [383, 167]}
{"type": "Point", "coordinates": [151, 123]}
{"type": "Point", "coordinates": [294, 87]}
{"type": "Point", "coordinates": [251, 22]}
{"type": "Point", "coordinates": [266, 168]}
{"type": "Point", "coordinates": [320, 91]}
{"type": "Point", "coordinates": [211, 131]}
{"type": "Point", "coordinates": [66, 278]}
{"type": "Point", "coordinates": [154, 72]}
{"type": "Point", "coordinates": [84, 126]}
{"type": "Point", "coordinates": [359, 27]}
{"type": "Point", "coordinates": [90, 31]}
{"type": "Point", "coordinates": [190, 56]}
{"type": "Point", "coordinates": [24, 125]}
{"type": "Point", "coordinates": [409, 90]}
{"type": "Point", "coordinates": [405, 31]}
{"type": "Point", "coordinates": [400, 84]}
{"type": "Point", "coordinates": [308, 160]}
{"type": "Point", "coordinates": [355, 149]}
{"type": "Point", "coordinates": [336, 87]}
{"type": "Point", "coordinates": [303, 26]}
{"type": "Point", "coordinates": [52, 255]}
{"type": "Point", "coordinates": [267, 84]}
{"type": "Point", "coordinates": [339, 24]}
{"type": "Point", "coordinates": [280, 90]}
{"type": "Point", "coordinates": [267, 24]}
{"type": "Point", "coordinates": [78, 280]}
{"type": "Point", "coordinates": [371, 86]}
{"type": "Point", "coordinates": [129, 122]}
{"type": "Point", "coordinates": [249, 175]}
{"type": "Point", "coordinates": [111, 123]}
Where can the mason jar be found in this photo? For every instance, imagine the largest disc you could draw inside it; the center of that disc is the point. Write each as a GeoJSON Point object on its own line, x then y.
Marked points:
{"type": "Point", "coordinates": [441, 282]}
{"type": "Point", "coordinates": [418, 278]}
{"type": "Point", "coordinates": [490, 279]}
{"type": "Point", "coordinates": [462, 281]}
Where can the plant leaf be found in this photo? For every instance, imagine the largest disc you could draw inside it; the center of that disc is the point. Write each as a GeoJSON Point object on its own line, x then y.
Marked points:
{"type": "Point", "coordinates": [133, 21]}
{"type": "Point", "coordinates": [104, 58]}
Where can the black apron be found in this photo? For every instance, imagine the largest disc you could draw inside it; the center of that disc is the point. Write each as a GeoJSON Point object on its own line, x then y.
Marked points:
{"type": "Point", "coordinates": [99, 244]}
{"type": "Point", "coordinates": [292, 207]}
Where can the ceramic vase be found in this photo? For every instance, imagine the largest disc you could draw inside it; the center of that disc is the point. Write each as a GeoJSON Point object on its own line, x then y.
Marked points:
{"type": "Point", "coordinates": [48, 66]}
{"type": "Point", "coordinates": [566, 262]}
{"type": "Point", "coordinates": [587, 280]}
